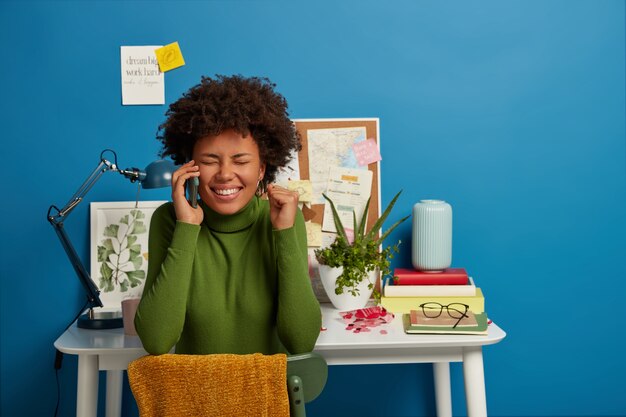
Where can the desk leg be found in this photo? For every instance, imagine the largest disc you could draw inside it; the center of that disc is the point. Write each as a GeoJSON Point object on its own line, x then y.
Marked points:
{"type": "Point", "coordinates": [114, 393]}
{"type": "Point", "coordinates": [474, 376]}
{"type": "Point", "coordinates": [87, 386]}
{"type": "Point", "coordinates": [443, 394]}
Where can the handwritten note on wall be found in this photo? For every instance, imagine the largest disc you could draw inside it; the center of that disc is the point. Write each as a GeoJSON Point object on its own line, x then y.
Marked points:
{"type": "Point", "coordinates": [142, 80]}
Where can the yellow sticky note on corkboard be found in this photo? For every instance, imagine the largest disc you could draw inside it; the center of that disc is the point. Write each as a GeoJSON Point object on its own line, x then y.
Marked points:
{"type": "Point", "coordinates": [313, 234]}
{"type": "Point", "coordinates": [169, 57]}
{"type": "Point", "coordinates": [304, 188]}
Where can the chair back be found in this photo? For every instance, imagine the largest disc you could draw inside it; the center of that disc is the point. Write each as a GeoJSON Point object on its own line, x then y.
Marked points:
{"type": "Point", "coordinates": [306, 377]}
{"type": "Point", "coordinates": [185, 385]}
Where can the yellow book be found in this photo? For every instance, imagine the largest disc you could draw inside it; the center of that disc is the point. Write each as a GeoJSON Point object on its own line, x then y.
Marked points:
{"type": "Point", "coordinates": [404, 305]}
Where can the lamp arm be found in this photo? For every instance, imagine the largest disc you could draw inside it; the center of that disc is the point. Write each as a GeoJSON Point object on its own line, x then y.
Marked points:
{"type": "Point", "coordinates": [91, 288]}
{"type": "Point", "coordinates": [57, 216]}
{"type": "Point", "coordinates": [133, 174]}
{"type": "Point", "coordinates": [78, 196]}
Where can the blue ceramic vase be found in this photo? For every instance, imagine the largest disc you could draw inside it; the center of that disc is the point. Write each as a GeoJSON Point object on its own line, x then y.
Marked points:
{"type": "Point", "coordinates": [432, 235]}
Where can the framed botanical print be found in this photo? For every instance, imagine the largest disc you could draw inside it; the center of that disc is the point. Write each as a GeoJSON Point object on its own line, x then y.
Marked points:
{"type": "Point", "coordinates": [119, 249]}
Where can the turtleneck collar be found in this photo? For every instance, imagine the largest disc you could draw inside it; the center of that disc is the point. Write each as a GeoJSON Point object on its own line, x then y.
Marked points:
{"type": "Point", "coordinates": [228, 223]}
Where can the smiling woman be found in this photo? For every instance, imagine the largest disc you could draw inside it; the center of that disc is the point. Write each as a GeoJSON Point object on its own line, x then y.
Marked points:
{"type": "Point", "coordinates": [230, 275]}
{"type": "Point", "coordinates": [230, 170]}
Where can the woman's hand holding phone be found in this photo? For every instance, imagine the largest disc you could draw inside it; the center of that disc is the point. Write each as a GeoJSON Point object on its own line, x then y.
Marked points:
{"type": "Point", "coordinates": [184, 210]}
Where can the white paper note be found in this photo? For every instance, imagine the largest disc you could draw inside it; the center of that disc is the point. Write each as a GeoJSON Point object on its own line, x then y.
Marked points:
{"type": "Point", "coordinates": [142, 80]}
{"type": "Point", "coordinates": [349, 190]}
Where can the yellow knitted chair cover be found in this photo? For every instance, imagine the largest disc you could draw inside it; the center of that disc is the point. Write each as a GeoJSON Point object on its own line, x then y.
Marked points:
{"type": "Point", "coordinates": [225, 385]}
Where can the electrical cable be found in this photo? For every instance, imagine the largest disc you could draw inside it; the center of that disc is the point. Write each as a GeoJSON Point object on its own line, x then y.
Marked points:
{"type": "Point", "coordinates": [58, 360]}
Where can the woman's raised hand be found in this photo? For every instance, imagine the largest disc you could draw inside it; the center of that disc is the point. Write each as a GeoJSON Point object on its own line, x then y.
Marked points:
{"type": "Point", "coordinates": [184, 211]}
{"type": "Point", "coordinates": [283, 206]}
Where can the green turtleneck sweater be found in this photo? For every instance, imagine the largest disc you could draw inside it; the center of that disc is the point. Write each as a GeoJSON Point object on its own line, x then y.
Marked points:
{"type": "Point", "coordinates": [229, 285]}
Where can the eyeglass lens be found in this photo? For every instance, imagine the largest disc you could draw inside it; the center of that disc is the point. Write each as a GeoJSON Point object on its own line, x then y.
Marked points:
{"type": "Point", "coordinates": [457, 310]}
{"type": "Point", "coordinates": [432, 310]}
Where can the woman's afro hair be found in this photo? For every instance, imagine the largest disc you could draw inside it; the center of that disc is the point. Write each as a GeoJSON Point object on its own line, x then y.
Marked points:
{"type": "Point", "coordinates": [250, 106]}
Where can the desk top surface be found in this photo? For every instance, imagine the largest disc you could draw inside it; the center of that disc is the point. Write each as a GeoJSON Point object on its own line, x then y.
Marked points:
{"type": "Point", "coordinates": [335, 337]}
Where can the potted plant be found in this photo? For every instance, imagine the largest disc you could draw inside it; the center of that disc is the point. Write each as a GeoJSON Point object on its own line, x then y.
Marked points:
{"type": "Point", "coordinates": [348, 270]}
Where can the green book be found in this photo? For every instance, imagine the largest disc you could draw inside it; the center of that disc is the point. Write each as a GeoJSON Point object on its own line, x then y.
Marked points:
{"type": "Point", "coordinates": [480, 328]}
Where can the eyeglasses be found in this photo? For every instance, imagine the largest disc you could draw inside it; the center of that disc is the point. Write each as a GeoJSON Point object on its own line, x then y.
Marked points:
{"type": "Point", "coordinates": [455, 310]}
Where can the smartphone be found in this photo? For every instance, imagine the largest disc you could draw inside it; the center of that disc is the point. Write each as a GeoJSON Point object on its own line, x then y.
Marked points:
{"type": "Point", "coordinates": [192, 191]}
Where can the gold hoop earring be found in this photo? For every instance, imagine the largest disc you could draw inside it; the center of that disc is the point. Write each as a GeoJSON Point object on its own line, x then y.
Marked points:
{"type": "Point", "coordinates": [260, 188]}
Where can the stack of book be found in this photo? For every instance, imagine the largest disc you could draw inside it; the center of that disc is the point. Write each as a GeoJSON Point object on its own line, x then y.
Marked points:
{"type": "Point", "coordinates": [416, 322]}
{"type": "Point", "coordinates": [412, 288]}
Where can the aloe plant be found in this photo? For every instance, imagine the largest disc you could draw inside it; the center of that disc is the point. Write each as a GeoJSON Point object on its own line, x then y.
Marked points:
{"type": "Point", "coordinates": [363, 254]}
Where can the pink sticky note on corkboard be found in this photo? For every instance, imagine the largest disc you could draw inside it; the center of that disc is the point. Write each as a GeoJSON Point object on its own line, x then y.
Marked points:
{"type": "Point", "coordinates": [366, 152]}
{"type": "Point", "coordinates": [349, 234]}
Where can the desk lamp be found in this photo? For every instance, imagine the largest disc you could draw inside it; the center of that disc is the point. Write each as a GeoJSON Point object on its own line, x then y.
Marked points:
{"type": "Point", "coordinates": [158, 174]}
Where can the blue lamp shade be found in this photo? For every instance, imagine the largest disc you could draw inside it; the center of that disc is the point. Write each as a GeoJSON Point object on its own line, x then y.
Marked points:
{"type": "Point", "coordinates": [158, 174]}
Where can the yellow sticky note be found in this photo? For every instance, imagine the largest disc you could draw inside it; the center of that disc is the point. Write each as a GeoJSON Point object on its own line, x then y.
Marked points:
{"type": "Point", "coordinates": [313, 234]}
{"type": "Point", "coordinates": [304, 188]}
{"type": "Point", "coordinates": [169, 57]}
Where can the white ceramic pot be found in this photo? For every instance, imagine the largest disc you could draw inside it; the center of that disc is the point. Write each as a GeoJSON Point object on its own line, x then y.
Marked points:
{"type": "Point", "coordinates": [432, 235]}
{"type": "Point", "coordinates": [345, 301]}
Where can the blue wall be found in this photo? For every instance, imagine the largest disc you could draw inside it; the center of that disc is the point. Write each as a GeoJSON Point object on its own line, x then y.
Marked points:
{"type": "Point", "coordinates": [514, 112]}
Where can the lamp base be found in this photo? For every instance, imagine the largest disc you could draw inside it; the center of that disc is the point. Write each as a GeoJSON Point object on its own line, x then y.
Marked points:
{"type": "Point", "coordinates": [101, 320]}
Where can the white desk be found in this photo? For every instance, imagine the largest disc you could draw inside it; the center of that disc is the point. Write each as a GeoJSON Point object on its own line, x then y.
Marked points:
{"type": "Point", "coordinates": [111, 351]}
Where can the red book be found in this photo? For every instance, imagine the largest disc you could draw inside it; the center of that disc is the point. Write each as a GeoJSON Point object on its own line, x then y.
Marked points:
{"type": "Point", "coordinates": [449, 276]}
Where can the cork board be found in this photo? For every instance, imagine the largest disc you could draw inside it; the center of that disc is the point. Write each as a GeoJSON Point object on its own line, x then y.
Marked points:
{"type": "Point", "coordinates": [316, 212]}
